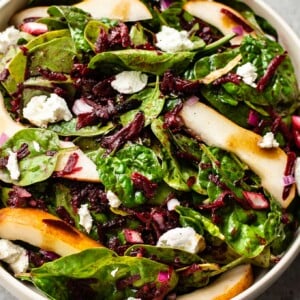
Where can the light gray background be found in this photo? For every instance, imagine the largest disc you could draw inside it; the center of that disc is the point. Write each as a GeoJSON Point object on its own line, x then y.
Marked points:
{"type": "Point", "coordinates": [288, 286]}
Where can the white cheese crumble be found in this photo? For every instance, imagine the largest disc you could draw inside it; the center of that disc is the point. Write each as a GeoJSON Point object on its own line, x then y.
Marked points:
{"type": "Point", "coordinates": [85, 218]}
{"type": "Point", "coordinates": [268, 141]}
{"type": "Point", "coordinates": [36, 146]}
{"type": "Point", "coordinates": [172, 40]}
{"type": "Point", "coordinates": [248, 74]}
{"type": "Point", "coordinates": [9, 37]}
{"type": "Point", "coordinates": [183, 238]}
{"type": "Point", "coordinates": [13, 166]}
{"type": "Point", "coordinates": [15, 256]}
{"type": "Point", "coordinates": [114, 272]}
{"type": "Point", "coordinates": [42, 110]}
{"type": "Point", "coordinates": [129, 82]}
{"type": "Point", "coordinates": [113, 199]}
{"type": "Point", "coordinates": [172, 203]}
{"type": "Point", "coordinates": [297, 174]}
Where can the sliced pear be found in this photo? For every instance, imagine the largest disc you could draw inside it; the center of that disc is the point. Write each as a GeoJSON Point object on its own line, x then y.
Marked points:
{"type": "Point", "coordinates": [216, 130]}
{"type": "Point", "coordinates": [86, 168]}
{"type": "Point", "coordinates": [211, 13]}
{"type": "Point", "coordinates": [43, 230]}
{"type": "Point", "coordinates": [125, 10]}
{"type": "Point", "coordinates": [227, 286]}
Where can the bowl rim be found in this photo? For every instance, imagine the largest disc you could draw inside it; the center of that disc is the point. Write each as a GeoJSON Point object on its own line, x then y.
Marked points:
{"type": "Point", "coordinates": [289, 39]}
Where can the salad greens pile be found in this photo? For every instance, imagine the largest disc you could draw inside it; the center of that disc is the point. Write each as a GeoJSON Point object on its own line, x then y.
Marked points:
{"type": "Point", "coordinates": [144, 156]}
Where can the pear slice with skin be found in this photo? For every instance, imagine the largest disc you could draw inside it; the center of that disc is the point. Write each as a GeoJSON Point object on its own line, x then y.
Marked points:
{"type": "Point", "coordinates": [43, 230]}
{"type": "Point", "coordinates": [86, 169]}
{"type": "Point", "coordinates": [124, 10]}
{"type": "Point", "coordinates": [216, 130]}
{"type": "Point", "coordinates": [227, 286]}
{"type": "Point", "coordinates": [211, 13]}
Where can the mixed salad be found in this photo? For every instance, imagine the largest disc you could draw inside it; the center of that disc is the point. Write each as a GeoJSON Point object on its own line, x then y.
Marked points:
{"type": "Point", "coordinates": [170, 211]}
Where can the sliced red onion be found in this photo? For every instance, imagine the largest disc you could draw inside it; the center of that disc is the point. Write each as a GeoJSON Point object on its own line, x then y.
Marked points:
{"type": "Point", "coordinates": [164, 276]}
{"type": "Point", "coordinates": [288, 180]}
{"type": "Point", "coordinates": [34, 28]}
{"type": "Point", "coordinates": [159, 219]}
{"type": "Point", "coordinates": [3, 138]}
{"type": "Point", "coordinates": [132, 236]}
{"type": "Point", "coordinates": [81, 107]}
{"type": "Point", "coordinates": [164, 4]}
{"type": "Point", "coordinates": [253, 118]}
{"type": "Point", "coordinates": [238, 30]}
{"type": "Point", "coordinates": [192, 100]}
{"type": "Point", "coordinates": [296, 122]}
{"type": "Point", "coordinates": [256, 200]}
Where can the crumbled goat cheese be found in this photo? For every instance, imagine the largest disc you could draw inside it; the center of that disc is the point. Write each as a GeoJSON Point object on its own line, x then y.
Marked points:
{"type": "Point", "coordinates": [8, 38]}
{"type": "Point", "coordinates": [268, 141]}
{"type": "Point", "coordinates": [184, 238]}
{"type": "Point", "coordinates": [297, 174]}
{"type": "Point", "coordinates": [36, 146]}
{"type": "Point", "coordinates": [248, 74]}
{"type": "Point", "coordinates": [13, 166]}
{"type": "Point", "coordinates": [172, 203]}
{"type": "Point", "coordinates": [85, 218]}
{"type": "Point", "coordinates": [114, 272]}
{"type": "Point", "coordinates": [172, 40]}
{"type": "Point", "coordinates": [129, 82]}
{"type": "Point", "coordinates": [42, 110]}
{"type": "Point", "coordinates": [113, 199]}
{"type": "Point", "coordinates": [15, 256]}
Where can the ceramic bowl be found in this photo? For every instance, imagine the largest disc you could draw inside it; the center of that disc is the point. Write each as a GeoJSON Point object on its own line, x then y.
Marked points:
{"type": "Point", "coordinates": [264, 279]}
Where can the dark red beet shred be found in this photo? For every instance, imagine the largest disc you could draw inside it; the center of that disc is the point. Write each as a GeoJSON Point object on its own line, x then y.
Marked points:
{"type": "Point", "coordinates": [271, 69]}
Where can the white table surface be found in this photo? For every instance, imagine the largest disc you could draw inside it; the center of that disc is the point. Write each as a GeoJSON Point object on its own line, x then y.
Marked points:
{"type": "Point", "coordinates": [288, 286]}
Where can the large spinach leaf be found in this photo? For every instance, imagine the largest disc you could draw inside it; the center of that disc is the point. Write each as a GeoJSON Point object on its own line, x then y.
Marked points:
{"type": "Point", "coordinates": [77, 20]}
{"type": "Point", "coordinates": [115, 172]}
{"type": "Point", "coordinates": [39, 164]}
{"type": "Point", "coordinates": [101, 272]}
{"type": "Point", "coordinates": [141, 60]}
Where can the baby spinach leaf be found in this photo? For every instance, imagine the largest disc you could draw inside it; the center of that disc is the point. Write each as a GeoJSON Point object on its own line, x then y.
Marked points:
{"type": "Point", "coordinates": [199, 222]}
{"type": "Point", "coordinates": [115, 172]}
{"type": "Point", "coordinates": [92, 30]}
{"type": "Point", "coordinates": [38, 165]}
{"type": "Point", "coordinates": [56, 55]}
{"type": "Point", "coordinates": [102, 271]}
{"type": "Point", "coordinates": [77, 19]}
{"type": "Point", "coordinates": [173, 175]}
{"type": "Point", "coordinates": [152, 105]}
{"type": "Point", "coordinates": [141, 60]}
{"type": "Point", "coordinates": [68, 128]}
{"type": "Point", "coordinates": [169, 256]}
{"type": "Point", "coordinates": [17, 66]}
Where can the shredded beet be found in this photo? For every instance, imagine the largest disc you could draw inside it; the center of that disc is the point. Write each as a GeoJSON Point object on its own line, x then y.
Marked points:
{"type": "Point", "coordinates": [128, 281]}
{"type": "Point", "coordinates": [229, 77]}
{"type": "Point", "coordinates": [64, 215]}
{"type": "Point", "coordinates": [70, 166]}
{"type": "Point", "coordinates": [172, 120]}
{"type": "Point", "coordinates": [127, 133]}
{"type": "Point", "coordinates": [20, 197]}
{"type": "Point", "coordinates": [289, 170]}
{"type": "Point", "coordinates": [23, 151]}
{"type": "Point", "coordinates": [116, 37]}
{"type": "Point", "coordinates": [51, 75]}
{"type": "Point", "coordinates": [102, 43]}
{"type": "Point", "coordinates": [142, 183]}
{"type": "Point", "coordinates": [104, 88]}
{"type": "Point", "coordinates": [236, 19]}
{"type": "Point", "coordinates": [4, 74]}
{"type": "Point", "coordinates": [271, 69]}
{"type": "Point", "coordinates": [176, 85]}
{"type": "Point", "coordinates": [37, 259]}
{"type": "Point", "coordinates": [256, 200]}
